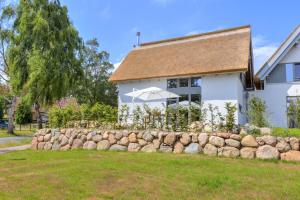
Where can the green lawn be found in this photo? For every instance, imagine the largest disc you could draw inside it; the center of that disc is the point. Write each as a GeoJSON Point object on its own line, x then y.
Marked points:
{"type": "Point", "coordinates": [123, 175]}
{"type": "Point", "coordinates": [285, 132]}
{"type": "Point", "coordinates": [3, 133]}
{"type": "Point", "coordinates": [15, 143]}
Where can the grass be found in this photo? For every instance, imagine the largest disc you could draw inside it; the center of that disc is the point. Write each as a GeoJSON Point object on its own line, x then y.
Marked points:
{"type": "Point", "coordinates": [285, 132]}
{"type": "Point", "coordinates": [3, 133]}
{"type": "Point", "coordinates": [123, 175]}
{"type": "Point", "coordinates": [15, 143]}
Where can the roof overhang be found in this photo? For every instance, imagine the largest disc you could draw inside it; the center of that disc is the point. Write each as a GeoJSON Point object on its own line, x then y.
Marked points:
{"type": "Point", "coordinates": [279, 54]}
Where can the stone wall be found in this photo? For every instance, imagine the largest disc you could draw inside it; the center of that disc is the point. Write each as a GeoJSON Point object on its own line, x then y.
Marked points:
{"type": "Point", "coordinates": [214, 144]}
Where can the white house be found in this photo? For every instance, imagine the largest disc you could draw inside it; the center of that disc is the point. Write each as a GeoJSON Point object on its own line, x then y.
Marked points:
{"type": "Point", "coordinates": [277, 81]}
{"type": "Point", "coordinates": [213, 68]}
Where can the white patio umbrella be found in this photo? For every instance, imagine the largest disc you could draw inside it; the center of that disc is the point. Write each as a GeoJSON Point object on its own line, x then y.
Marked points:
{"type": "Point", "coordinates": [152, 93]}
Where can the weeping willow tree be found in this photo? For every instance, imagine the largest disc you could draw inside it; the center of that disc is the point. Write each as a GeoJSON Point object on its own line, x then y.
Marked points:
{"type": "Point", "coordinates": [44, 54]}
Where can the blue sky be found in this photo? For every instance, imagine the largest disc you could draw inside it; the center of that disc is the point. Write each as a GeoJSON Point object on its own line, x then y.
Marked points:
{"type": "Point", "coordinates": [115, 22]}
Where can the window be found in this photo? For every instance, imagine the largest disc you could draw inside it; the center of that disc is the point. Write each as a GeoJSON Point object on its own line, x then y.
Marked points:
{"type": "Point", "coordinates": [196, 98]}
{"type": "Point", "coordinates": [171, 101]}
{"type": "Point", "coordinates": [196, 82]}
{"type": "Point", "coordinates": [297, 72]}
{"type": "Point", "coordinates": [183, 82]}
{"type": "Point", "coordinates": [172, 83]}
{"type": "Point", "coordinates": [183, 97]}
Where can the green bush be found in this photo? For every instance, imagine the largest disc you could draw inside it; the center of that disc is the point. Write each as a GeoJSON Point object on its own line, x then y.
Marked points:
{"type": "Point", "coordinates": [230, 116]}
{"type": "Point", "coordinates": [286, 132]}
{"type": "Point", "coordinates": [60, 116]}
{"type": "Point", "coordinates": [23, 113]}
{"type": "Point", "coordinates": [257, 112]}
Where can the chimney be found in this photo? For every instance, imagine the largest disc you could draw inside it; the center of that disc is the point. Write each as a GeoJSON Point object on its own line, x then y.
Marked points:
{"type": "Point", "coordinates": [138, 34]}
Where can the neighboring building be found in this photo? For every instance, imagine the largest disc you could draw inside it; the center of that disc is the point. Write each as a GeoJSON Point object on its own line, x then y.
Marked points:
{"type": "Point", "coordinates": [278, 80]}
{"type": "Point", "coordinates": [213, 68]}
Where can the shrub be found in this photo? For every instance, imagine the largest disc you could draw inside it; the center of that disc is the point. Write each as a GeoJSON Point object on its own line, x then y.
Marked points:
{"type": "Point", "coordinates": [293, 114]}
{"type": "Point", "coordinates": [100, 113]}
{"type": "Point", "coordinates": [257, 112]}
{"type": "Point", "coordinates": [230, 116]}
{"type": "Point", "coordinates": [213, 114]}
{"type": "Point", "coordinates": [23, 113]}
{"type": "Point", "coordinates": [124, 114]}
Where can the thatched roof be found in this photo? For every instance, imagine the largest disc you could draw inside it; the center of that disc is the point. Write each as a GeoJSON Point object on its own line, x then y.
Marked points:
{"type": "Point", "coordinates": [209, 53]}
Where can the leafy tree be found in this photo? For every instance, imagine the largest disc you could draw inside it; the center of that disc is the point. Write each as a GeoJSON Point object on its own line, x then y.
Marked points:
{"type": "Point", "coordinates": [257, 112]}
{"type": "Point", "coordinates": [7, 13]}
{"type": "Point", "coordinates": [94, 87]}
{"type": "Point", "coordinates": [23, 113]}
{"type": "Point", "coordinates": [44, 53]}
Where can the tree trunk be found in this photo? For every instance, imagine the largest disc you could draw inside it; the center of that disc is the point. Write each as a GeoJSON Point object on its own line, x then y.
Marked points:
{"type": "Point", "coordinates": [38, 115]}
{"type": "Point", "coordinates": [10, 113]}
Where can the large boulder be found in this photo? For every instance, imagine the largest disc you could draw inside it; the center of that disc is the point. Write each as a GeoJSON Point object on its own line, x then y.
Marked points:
{"type": "Point", "coordinates": [248, 152]}
{"type": "Point", "coordinates": [97, 138]}
{"type": "Point", "coordinates": [40, 138]}
{"type": "Point", "coordinates": [132, 138]}
{"type": "Point", "coordinates": [236, 137]}
{"type": "Point", "coordinates": [193, 148]}
{"type": "Point", "coordinates": [34, 143]}
{"type": "Point", "coordinates": [147, 136]}
{"type": "Point", "coordinates": [90, 135]}
{"type": "Point", "coordinates": [178, 148]}
{"type": "Point", "coordinates": [194, 137]}
{"type": "Point", "coordinates": [228, 152]}
{"type": "Point", "coordinates": [41, 145]}
{"type": "Point", "coordinates": [267, 152]}
{"type": "Point", "coordinates": [142, 142]}
{"type": "Point", "coordinates": [65, 148]}
{"type": "Point", "coordinates": [133, 147]}
{"type": "Point", "coordinates": [291, 156]}
{"type": "Point", "coordinates": [165, 148]}
{"type": "Point", "coordinates": [294, 142]}
{"type": "Point", "coordinates": [47, 137]}
{"type": "Point", "coordinates": [170, 139]}
{"type": "Point", "coordinates": [64, 140]}
{"type": "Point", "coordinates": [48, 146]}
{"type": "Point", "coordinates": [185, 139]}
{"type": "Point", "coordinates": [118, 135]}
{"type": "Point", "coordinates": [283, 146]}
{"type": "Point", "coordinates": [77, 144]}
{"type": "Point", "coordinates": [203, 139]}
{"type": "Point", "coordinates": [112, 139]}
{"type": "Point", "coordinates": [117, 147]}
{"type": "Point", "coordinates": [156, 143]}
{"type": "Point", "coordinates": [89, 145]}
{"type": "Point", "coordinates": [233, 143]}
{"type": "Point", "coordinates": [124, 141]}
{"type": "Point", "coordinates": [149, 148]}
{"type": "Point", "coordinates": [269, 140]}
{"type": "Point", "coordinates": [249, 141]}
{"type": "Point", "coordinates": [103, 145]}
{"type": "Point", "coordinates": [210, 150]}
{"type": "Point", "coordinates": [223, 135]}
{"type": "Point", "coordinates": [216, 141]}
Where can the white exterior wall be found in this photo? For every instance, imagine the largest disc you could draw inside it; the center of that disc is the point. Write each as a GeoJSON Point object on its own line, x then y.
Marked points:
{"type": "Point", "coordinates": [274, 96]}
{"type": "Point", "coordinates": [215, 90]}
{"type": "Point", "coordinates": [219, 89]}
{"type": "Point", "coordinates": [293, 56]}
{"type": "Point", "coordinates": [128, 86]}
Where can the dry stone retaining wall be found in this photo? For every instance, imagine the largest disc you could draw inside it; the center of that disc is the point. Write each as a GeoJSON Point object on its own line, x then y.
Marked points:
{"type": "Point", "coordinates": [214, 144]}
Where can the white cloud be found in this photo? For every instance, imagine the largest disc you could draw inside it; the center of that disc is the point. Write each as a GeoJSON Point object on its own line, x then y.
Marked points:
{"type": "Point", "coordinates": [262, 50]}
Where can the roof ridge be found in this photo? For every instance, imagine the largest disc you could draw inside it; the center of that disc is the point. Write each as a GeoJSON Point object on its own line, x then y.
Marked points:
{"type": "Point", "coordinates": [194, 36]}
